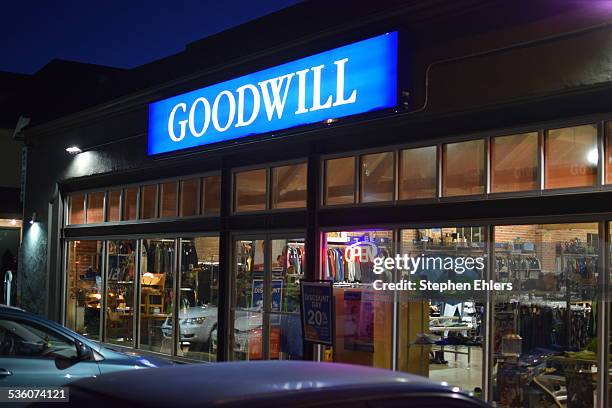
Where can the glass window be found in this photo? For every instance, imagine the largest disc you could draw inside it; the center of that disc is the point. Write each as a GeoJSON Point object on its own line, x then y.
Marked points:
{"type": "Point", "coordinates": [148, 201]}
{"type": "Point", "coordinates": [157, 295]}
{"type": "Point", "coordinates": [364, 316]}
{"type": "Point", "coordinates": [27, 339]}
{"type": "Point", "coordinates": [212, 195]}
{"type": "Point", "coordinates": [247, 305]}
{"type": "Point", "coordinates": [287, 268]}
{"type": "Point", "coordinates": [377, 177]}
{"type": "Point", "coordinates": [441, 334]}
{"type": "Point", "coordinates": [76, 212]}
{"type": "Point", "coordinates": [95, 207]}
{"type": "Point", "coordinates": [340, 181]}
{"type": "Point", "coordinates": [571, 157]}
{"type": "Point", "coordinates": [289, 186]}
{"type": "Point", "coordinates": [546, 325]}
{"type": "Point", "coordinates": [418, 169]}
{"type": "Point", "coordinates": [190, 192]}
{"type": "Point", "coordinates": [84, 283]}
{"type": "Point", "coordinates": [514, 163]}
{"type": "Point", "coordinates": [120, 286]}
{"type": "Point", "coordinates": [199, 297]}
{"type": "Point", "coordinates": [168, 199]}
{"type": "Point", "coordinates": [112, 206]}
{"type": "Point", "coordinates": [608, 166]}
{"type": "Point", "coordinates": [250, 191]}
{"type": "Point", "coordinates": [463, 168]}
{"type": "Point", "coordinates": [130, 207]}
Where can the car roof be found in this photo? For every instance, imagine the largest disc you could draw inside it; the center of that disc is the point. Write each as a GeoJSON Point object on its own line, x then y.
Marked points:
{"type": "Point", "coordinates": [224, 384]}
{"type": "Point", "coordinates": [11, 308]}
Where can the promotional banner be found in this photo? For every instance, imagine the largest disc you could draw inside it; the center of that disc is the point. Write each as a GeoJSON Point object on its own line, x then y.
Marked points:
{"type": "Point", "coordinates": [317, 312]}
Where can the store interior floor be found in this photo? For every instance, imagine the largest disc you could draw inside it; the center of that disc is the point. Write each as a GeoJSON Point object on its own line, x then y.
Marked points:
{"type": "Point", "coordinates": [459, 372]}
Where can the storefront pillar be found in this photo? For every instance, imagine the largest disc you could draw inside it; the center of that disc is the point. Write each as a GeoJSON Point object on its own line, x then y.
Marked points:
{"type": "Point", "coordinates": [225, 275]}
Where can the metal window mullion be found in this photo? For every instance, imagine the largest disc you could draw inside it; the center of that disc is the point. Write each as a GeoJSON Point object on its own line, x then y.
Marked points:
{"type": "Point", "coordinates": [541, 158]}
{"type": "Point", "coordinates": [66, 265]}
{"type": "Point", "coordinates": [439, 170]}
{"type": "Point", "coordinates": [487, 152]}
{"type": "Point", "coordinates": [603, 318]}
{"type": "Point", "coordinates": [104, 293]}
{"type": "Point", "coordinates": [267, 297]}
{"type": "Point", "coordinates": [137, 294]}
{"type": "Point", "coordinates": [395, 308]}
{"type": "Point", "coordinates": [487, 352]}
{"type": "Point", "coordinates": [177, 296]}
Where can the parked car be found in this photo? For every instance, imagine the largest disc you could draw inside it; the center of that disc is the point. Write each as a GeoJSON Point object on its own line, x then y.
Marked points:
{"type": "Point", "coordinates": [247, 330]}
{"type": "Point", "coordinates": [35, 351]}
{"type": "Point", "coordinates": [265, 384]}
{"type": "Point", "coordinates": [195, 324]}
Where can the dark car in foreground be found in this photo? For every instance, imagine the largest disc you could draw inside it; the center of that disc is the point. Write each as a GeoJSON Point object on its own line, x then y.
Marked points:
{"type": "Point", "coordinates": [37, 352]}
{"type": "Point", "coordinates": [267, 384]}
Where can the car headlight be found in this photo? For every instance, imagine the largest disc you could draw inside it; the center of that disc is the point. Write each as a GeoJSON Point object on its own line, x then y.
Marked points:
{"type": "Point", "coordinates": [194, 320]}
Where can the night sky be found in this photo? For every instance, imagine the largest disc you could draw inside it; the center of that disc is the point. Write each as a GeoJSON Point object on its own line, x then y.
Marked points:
{"type": "Point", "coordinates": [119, 33]}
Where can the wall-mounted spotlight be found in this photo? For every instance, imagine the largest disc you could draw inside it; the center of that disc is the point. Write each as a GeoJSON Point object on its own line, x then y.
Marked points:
{"type": "Point", "coordinates": [74, 150]}
{"type": "Point", "coordinates": [13, 222]}
{"type": "Point", "coordinates": [33, 219]}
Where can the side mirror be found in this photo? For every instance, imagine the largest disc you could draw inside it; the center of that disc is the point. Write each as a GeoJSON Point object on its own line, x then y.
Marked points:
{"type": "Point", "coordinates": [84, 353]}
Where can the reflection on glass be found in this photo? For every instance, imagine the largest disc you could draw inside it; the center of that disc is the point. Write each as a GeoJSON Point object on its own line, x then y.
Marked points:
{"type": "Point", "coordinates": [377, 177]}
{"type": "Point", "coordinates": [287, 270]}
{"type": "Point", "coordinates": [441, 335]}
{"type": "Point", "coordinates": [418, 173]}
{"type": "Point", "coordinates": [250, 190]}
{"type": "Point", "coordinates": [76, 214]}
{"type": "Point", "coordinates": [212, 195]}
{"type": "Point", "coordinates": [340, 181]}
{"type": "Point", "coordinates": [130, 208]}
{"type": "Point", "coordinates": [148, 201]}
{"type": "Point", "coordinates": [463, 168]}
{"type": "Point", "coordinates": [168, 199]}
{"type": "Point", "coordinates": [546, 326]}
{"type": "Point", "coordinates": [112, 206]}
{"type": "Point", "coordinates": [190, 190]}
{"type": "Point", "coordinates": [156, 295]}
{"type": "Point", "coordinates": [571, 157]}
{"type": "Point", "coordinates": [514, 163]}
{"type": "Point", "coordinates": [247, 335]}
{"type": "Point", "coordinates": [364, 316]}
{"type": "Point", "coordinates": [199, 298]}
{"type": "Point", "coordinates": [289, 186]}
{"type": "Point", "coordinates": [95, 207]}
{"type": "Point", "coordinates": [84, 287]}
{"type": "Point", "coordinates": [120, 286]}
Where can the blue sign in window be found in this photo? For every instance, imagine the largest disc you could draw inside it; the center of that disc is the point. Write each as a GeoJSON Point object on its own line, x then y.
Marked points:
{"type": "Point", "coordinates": [353, 79]}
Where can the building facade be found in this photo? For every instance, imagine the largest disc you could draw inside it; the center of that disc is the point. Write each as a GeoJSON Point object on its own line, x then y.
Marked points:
{"type": "Point", "coordinates": [493, 145]}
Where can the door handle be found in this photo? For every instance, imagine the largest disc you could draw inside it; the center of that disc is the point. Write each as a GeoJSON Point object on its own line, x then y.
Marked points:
{"type": "Point", "coordinates": [5, 373]}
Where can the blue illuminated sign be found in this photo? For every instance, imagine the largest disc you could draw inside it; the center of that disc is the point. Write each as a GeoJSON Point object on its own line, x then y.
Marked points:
{"type": "Point", "coordinates": [349, 80]}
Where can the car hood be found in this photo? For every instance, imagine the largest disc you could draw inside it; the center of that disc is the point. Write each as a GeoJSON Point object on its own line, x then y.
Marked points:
{"type": "Point", "coordinates": [133, 358]}
{"type": "Point", "coordinates": [197, 311]}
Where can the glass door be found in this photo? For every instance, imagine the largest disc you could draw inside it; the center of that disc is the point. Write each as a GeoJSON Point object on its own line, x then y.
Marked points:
{"type": "Point", "coordinates": [247, 308]}
{"type": "Point", "coordinates": [265, 307]}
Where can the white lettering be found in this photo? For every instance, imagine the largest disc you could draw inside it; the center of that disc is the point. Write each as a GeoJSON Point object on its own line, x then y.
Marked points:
{"type": "Point", "coordinates": [302, 91]}
{"type": "Point", "coordinates": [192, 111]}
{"type": "Point", "coordinates": [340, 85]}
{"type": "Point", "coordinates": [232, 111]}
{"type": "Point", "coordinates": [277, 103]}
{"type": "Point", "coordinates": [181, 123]}
{"type": "Point", "coordinates": [316, 90]}
{"type": "Point", "coordinates": [256, 103]}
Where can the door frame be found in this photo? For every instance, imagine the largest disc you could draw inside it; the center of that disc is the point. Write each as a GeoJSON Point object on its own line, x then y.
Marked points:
{"type": "Point", "coordinates": [267, 237]}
